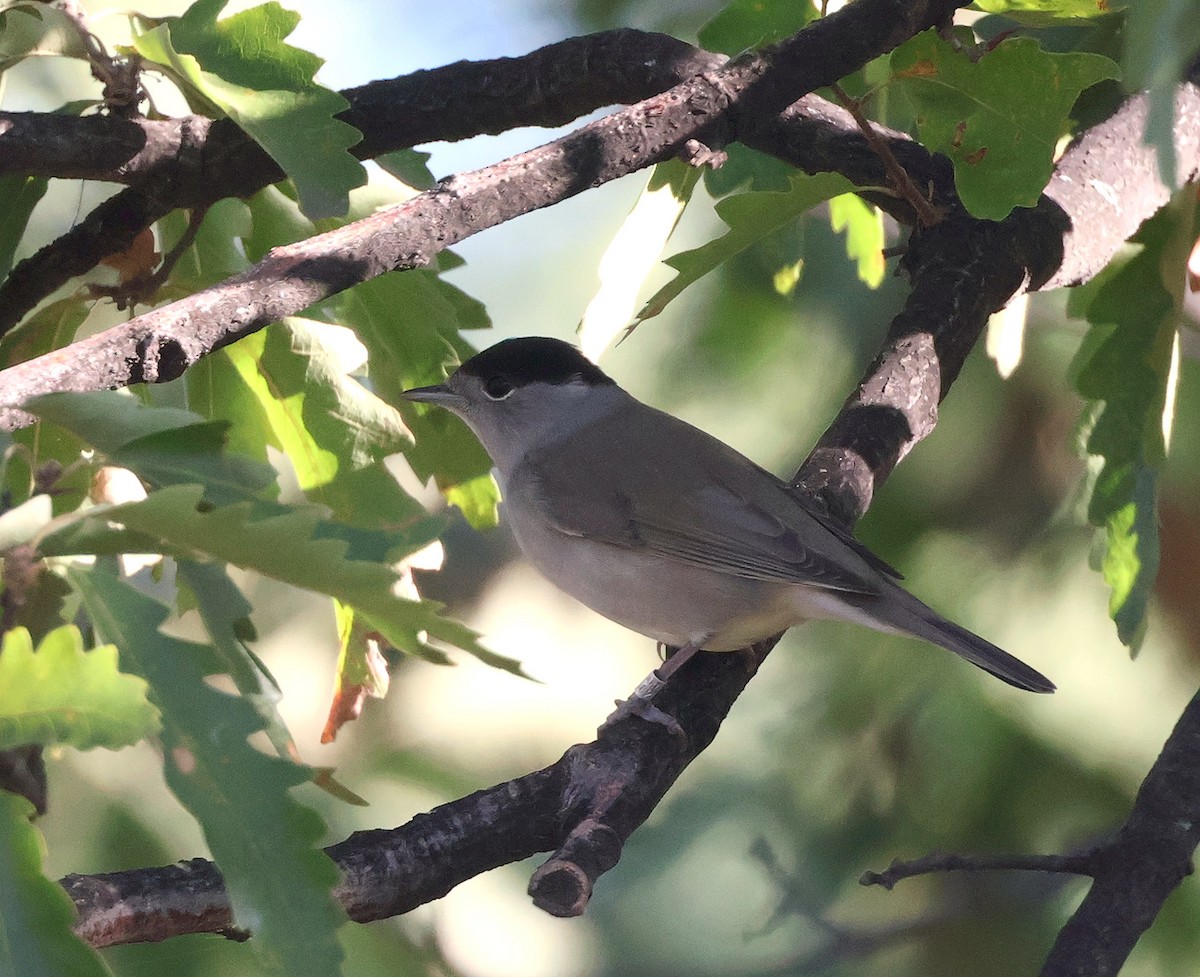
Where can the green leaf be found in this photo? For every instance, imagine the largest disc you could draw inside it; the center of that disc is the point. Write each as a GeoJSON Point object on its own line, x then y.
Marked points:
{"type": "Point", "coordinates": [36, 915]}
{"type": "Point", "coordinates": [37, 29]}
{"type": "Point", "coordinates": [163, 445]}
{"type": "Point", "coordinates": [1045, 12]}
{"type": "Point", "coordinates": [63, 694]}
{"type": "Point", "coordinates": [263, 840]}
{"type": "Point", "coordinates": [410, 325]}
{"type": "Point", "coordinates": [275, 220]}
{"type": "Point", "coordinates": [334, 430]}
{"type": "Point", "coordinates": [242, 66]}
{"type": "Point", "coordinates": [1161, 39]}
{"type": "Point", "coordinates": [225, 613]}
{"type": "Point", "coordinates": [1129, 362]}
{"type": "Point", "coordinates": [296, 545]}
{"type": "Point", "coordinates": [215, 253]}
{"type": "Point", "coordinates": [1131, 557]}
{"type": "Point", "coordinates": [748, 169]}
{"type": "Point", "coordinates": [409, 166]}
{"type": "Point", "coordinates": [20, 195]}
{"type": "Point", "coordinates": [982, 116]}
{"type": "Point", "coordinates": [633, 254]}
{"type": "Point", "coordinates": [746, 24]}
{"type": "Point", "coordinates": [52, 327]}
{"type": "Point", "coordinates": [751, 217]}
{"type": "Point", "coordinates": [863, 225]}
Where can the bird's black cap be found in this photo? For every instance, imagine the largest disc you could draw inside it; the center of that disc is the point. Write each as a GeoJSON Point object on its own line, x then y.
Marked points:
{"type": "Point", "coordinates": [535, 359]}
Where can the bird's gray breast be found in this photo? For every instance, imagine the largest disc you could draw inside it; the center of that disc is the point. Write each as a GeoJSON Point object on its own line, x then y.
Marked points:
{"type": "Point", "coordinates": [665, 599]}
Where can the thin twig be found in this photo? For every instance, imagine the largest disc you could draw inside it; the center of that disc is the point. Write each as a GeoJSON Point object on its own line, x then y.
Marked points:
{"type": "Point", "coordinates": [901, 182]}
{"type": "Point", "coordinates": [1079, 863]}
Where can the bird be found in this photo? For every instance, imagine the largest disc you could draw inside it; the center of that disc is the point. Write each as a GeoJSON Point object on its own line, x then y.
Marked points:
{"type": "Point", "coordinates": [665, 529]}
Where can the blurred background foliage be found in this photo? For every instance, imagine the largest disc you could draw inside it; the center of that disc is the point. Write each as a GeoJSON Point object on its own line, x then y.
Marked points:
{"type": "Point", "coordinates": [850, 750]}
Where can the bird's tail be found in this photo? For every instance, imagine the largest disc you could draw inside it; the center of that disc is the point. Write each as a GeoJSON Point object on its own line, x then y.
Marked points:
{"type": "Point", "coordinates": [898, 610]}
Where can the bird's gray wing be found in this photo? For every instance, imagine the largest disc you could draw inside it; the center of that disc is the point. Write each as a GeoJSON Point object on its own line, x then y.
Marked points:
{"type": "Point", "coordinates": [671, 488]}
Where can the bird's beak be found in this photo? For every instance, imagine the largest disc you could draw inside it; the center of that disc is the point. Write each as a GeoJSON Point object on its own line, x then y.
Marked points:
{"type": "Point", "coordinates": [439, 394]}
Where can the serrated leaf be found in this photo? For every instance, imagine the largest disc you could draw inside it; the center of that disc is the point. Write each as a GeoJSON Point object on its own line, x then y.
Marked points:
{"type": "Point", "coordinates": [751, 217]}
{"type": "Point", "coordinates": [633, 254]}
{"type": "Point", "coordinates": [66, 695]}
{"type": "Point", "coordinates": [1129, 363]}
{"type": "Point", "coordinates": [362, 673]}
{"type": "Point", "coordinates": [748, 169]}
{"type": "Point", "coordinates": [334, 430]}
{"type": "Point", "coordinates": [410, 326]}
{"type": "Point", "coordinates": [299, 546]}
{"type": "Point", "coordinates": [36, 915]}
{"type": "Point", "coordinates": [980, 114]}
{"type": "Point", "coordinates": [225, 613]}
{"type": "Point", "coordinates": [263, 840]}
{"type": "Point", "coordinates": [1131, 556]}
{"type": "Point", "coordinates": [410, 166]}
{"type": "Point", "coordinates": [746, 24]}
{"type": "Point", "coordinates": [164, 445]}
{"type": "Point", "coordinates": [863, 225]}
{"type": "Point", "coordinates": [242, 66]}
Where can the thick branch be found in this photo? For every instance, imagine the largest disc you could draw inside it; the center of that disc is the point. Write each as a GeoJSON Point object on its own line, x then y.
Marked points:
{"type": "Point", "coordinates": [1145, 862]}
{"type": "Point", "coordinates": [1109, 182]}
{"type": "Point", "coordinates": [548, 87]}
{"type": "Point", "coordinates": [193, 162]}
{"type": "Point", "coordinates": [587, 804]}
{"type": "Point", "coordinates": [160, 345]}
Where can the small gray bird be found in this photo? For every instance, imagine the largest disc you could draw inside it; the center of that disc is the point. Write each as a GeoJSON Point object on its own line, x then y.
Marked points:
{"type": "Point", "coordinates": [663, 528]}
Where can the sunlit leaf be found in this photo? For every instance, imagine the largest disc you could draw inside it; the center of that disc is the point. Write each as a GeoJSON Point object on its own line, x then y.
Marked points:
{"type": "Point", "coordinates": [242, 66]}
{"type": "Point", "coordinates": [751, 217]}
{"type": "Point", "coordinates": [1044, 12]}
{"type": "Point", "coordinates": [633, 254]}
{"type": "Point", "coordinates": [980, 114]}
{"type": "Point", "coordinates": [863, 225]}
{"type": "Point", "coordinates": [61, 693]}
{"type": "Point", "coordinates": [1129, 363]}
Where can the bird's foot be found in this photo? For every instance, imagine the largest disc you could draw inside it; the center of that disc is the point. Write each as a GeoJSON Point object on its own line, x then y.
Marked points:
{"type": "Point", "coordinates": [641, 705]}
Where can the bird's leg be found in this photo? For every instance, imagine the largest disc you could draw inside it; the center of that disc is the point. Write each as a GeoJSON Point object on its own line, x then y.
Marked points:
{"type": "Point", "coordinates": [641, 702]}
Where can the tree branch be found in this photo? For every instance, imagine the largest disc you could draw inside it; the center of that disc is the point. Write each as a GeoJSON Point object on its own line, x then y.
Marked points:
{"type": "Point", "coordinates": [1078, 864]}
{"type": "Point", "coordinates": [1141, 866]}
{"type": "Point", "coordinates": [161, 344]}
{"type": "Point", "coordinates": [585, 807]}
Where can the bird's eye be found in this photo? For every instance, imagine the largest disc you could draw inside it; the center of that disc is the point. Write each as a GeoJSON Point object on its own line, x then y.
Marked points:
{"type": "Point", "coordinates": [497, 387]}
